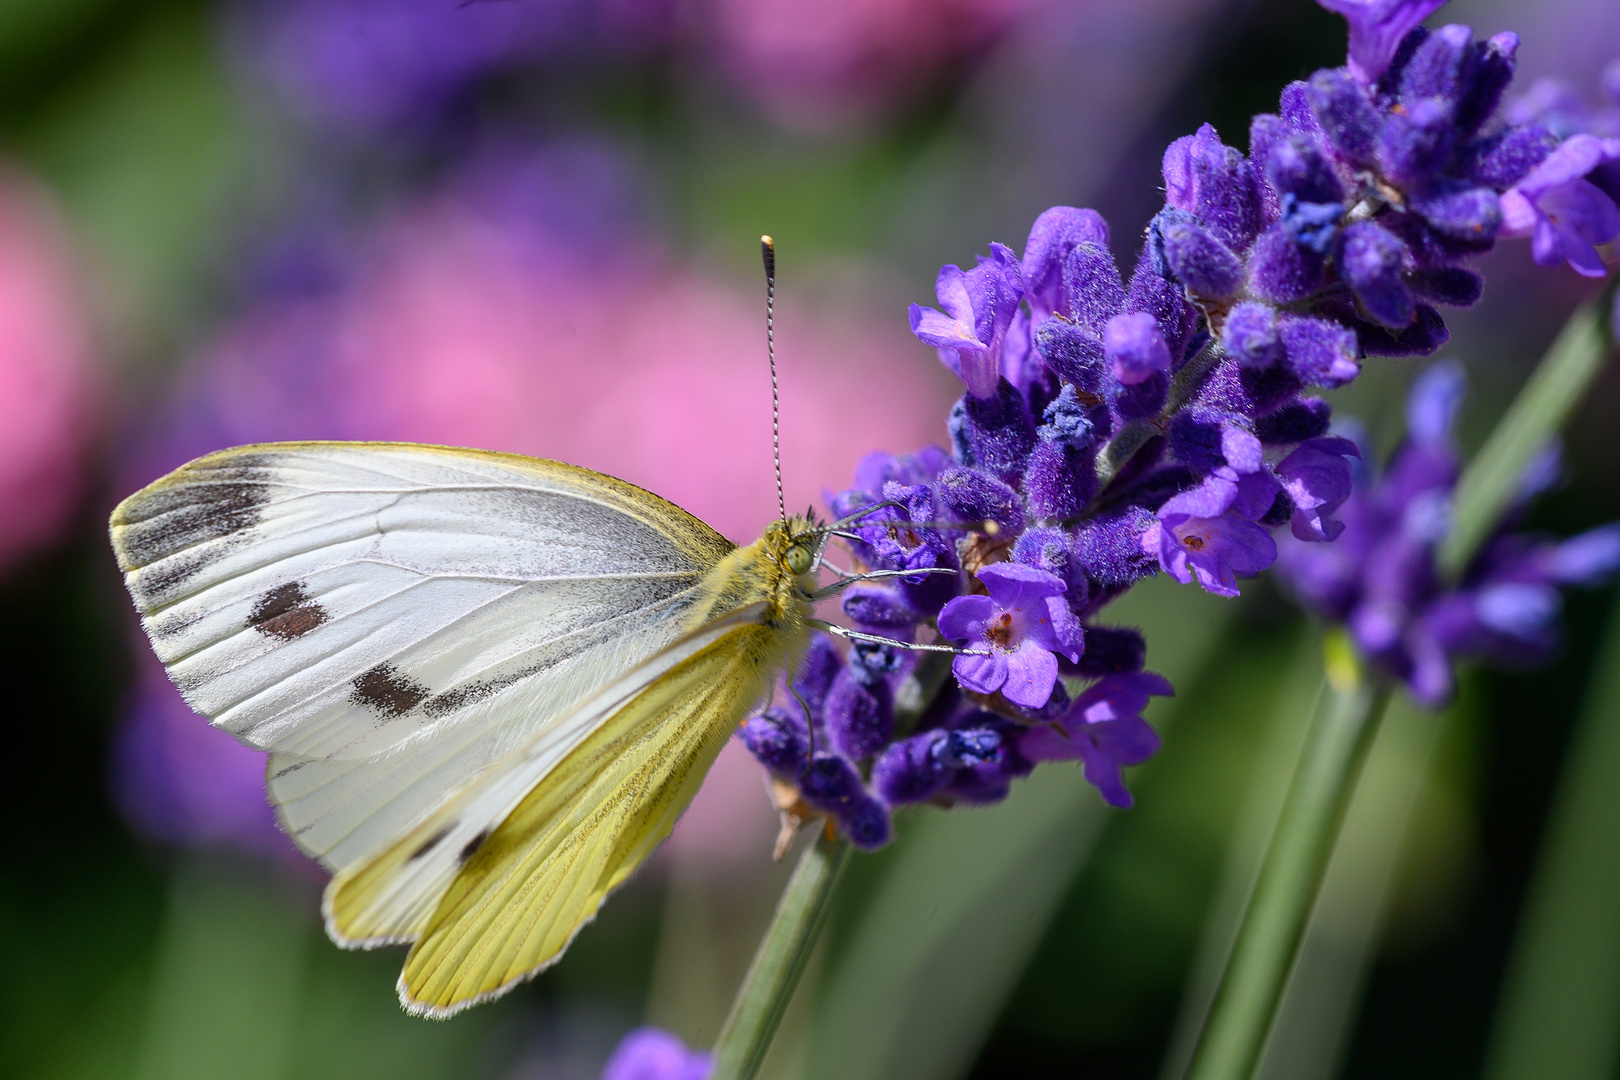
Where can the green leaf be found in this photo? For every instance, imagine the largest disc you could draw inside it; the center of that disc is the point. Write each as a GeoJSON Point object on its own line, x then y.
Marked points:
{"type": "Point", "coordinates": [1491, 480]}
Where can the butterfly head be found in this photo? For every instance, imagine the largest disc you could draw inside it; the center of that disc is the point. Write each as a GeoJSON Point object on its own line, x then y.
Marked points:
{"type": "Point", "coordinates": [795, 542]}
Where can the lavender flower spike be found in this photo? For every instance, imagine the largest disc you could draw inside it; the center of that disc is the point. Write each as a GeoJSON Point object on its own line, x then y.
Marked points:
{"type": "Point", "coordinates": [1200, 533]}
{"type": "Point", "coordinates": [1104, 729]}
{"type": "Point", "coordinates": [1021, 625]}
{"type": "Point", "coordinates": [1376, 30]}
{"type": "Point", "coordinates": [1561, 210]}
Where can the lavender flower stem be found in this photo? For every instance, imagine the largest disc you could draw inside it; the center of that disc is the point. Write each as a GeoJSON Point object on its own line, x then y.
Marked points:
{"type": "Point", "coordinates": [780, 960]}
{"type": "Point", "coordinates": [1273, 926]}
{"type": "Point", "coordinates": [1557, 386]}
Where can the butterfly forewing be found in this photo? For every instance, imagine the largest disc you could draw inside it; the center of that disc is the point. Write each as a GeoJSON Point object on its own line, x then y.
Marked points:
{"type": "Point", "coordinates": [392, 619]}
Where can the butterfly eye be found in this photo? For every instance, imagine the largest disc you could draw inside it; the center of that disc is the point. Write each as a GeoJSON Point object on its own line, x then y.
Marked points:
{"type": "Point", "coordinates": [798, 559]}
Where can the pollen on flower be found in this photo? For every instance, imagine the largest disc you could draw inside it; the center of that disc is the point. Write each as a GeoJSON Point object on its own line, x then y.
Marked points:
{"type": "Point", "coordinates": [999, 632]}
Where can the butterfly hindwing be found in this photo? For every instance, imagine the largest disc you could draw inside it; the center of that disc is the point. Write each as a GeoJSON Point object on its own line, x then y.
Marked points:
{"type": "Point", "coordinates": [392, 619]}
{"type": "Point", "coordinates": [529, 886]}
{"type": "Point", "coordinates": [388, 898]}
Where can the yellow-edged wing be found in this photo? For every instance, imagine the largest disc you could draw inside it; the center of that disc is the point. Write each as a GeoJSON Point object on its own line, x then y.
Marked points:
{"type": "Point", "coordinates": [527, 888]}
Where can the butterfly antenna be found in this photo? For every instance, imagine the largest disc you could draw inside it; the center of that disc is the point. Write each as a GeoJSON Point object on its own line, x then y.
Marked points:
{"type": "Point", "coordinates": [767, 251]}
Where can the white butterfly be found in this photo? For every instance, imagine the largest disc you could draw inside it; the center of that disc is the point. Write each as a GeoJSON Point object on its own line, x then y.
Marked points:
{"type": "Point", "coordinates": [421, 635]}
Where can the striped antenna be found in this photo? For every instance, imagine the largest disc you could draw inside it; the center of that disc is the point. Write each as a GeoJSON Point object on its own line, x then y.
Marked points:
{"type": "Point", "coordinates": [767, 251]}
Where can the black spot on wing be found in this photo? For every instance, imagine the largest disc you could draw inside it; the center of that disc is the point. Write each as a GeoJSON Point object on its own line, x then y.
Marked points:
{"type": "Point", "coordinates": [286, 612]}
{"type": "Point", "coordinates": [431, 842]}
{"type": "Point", "coordinates": [384, 690]}
{"type": "Point", "coordinates": [192, 512]}
{"type": "Point", "coordinates": [470, 848]}
{"type": "Point", "coordinates": [172, 534]}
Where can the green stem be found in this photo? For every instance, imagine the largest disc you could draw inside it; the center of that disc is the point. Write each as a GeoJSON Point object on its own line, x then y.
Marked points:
{"type": "Point", "coordinates": [1554, 389]}
{"type": "Point", "coordinates": [780, 960]}
{"type": "Point", "coordinates": [1291, 875]}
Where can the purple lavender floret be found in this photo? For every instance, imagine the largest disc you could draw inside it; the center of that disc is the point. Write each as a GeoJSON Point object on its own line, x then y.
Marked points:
{"type": "Point", "coordinates": [1104, 729]}
{"type": "Point", "coordinates": [1015, 634]}
{"type": "Point", "coordinates": [1380, 580]}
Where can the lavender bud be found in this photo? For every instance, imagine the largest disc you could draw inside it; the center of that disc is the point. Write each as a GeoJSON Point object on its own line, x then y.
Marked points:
{"type": "Point", "coordinates": [1112, 650]}
{"type": "Point", "coordinates": [1135, 347]}
{"type": "Point", "coordinates": [970, 496]}
{"type": "Point", "coordinates": [859, 714]}
{"type": "Point", "coordinates": [1507, 157]}
{"type": "Point", "coordinates": [909, 771]}
{"type": "Point", "coordinates": [996, 432]}
{"type": "Point", "coordinates": [880, 607]}
{"type": "Point", "coordinates": [1348, 120]}
{"type": "Point", "coordinates": [777, 740]}
{"type": "Point", "coordinates": [1092, 290]}
{"type": "Point", "coordinates": [1487, 75]}
{"type": "Point", "coordinates": [1075, 355]}
{"type": "Point", "coordinates": [1413, 144]}
{"type": "Point", "coordinates": [1321, 352]}
{"type": "Point", "coordinates": [866, 822]}
{"type": "Point", "coordinates": [1201, 261]}
{"type": "Point", "coordinates": [1110, 547]}
{"type": "Point", "coordinates": [1436, 67]}
{"type": "Point", "coordinates": [1473, 214]}
{"type": "Point", "coordinates": [1371, 261]}
{"type": "Point", "coordinates": [1281, 270]}
{"type": "Point", "coordinates": [1426, 333]}
{"type": "Point", "coordinates": [1294, 422]}
{"type": "Point", "coordinates": [1295, 166]}
{"type": "Point", "coordinates": [1150, 291]}
{"type": "Point", "coordinates": [1250, 335]}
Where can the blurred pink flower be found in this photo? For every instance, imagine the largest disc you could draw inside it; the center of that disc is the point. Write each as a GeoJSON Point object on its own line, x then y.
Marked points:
{"type": "Point", "coordinates": [464, 327]}
{"type": "Point", "coordinates": [851, 57]}
{"type": "Point", "coordinates": [49, 384]}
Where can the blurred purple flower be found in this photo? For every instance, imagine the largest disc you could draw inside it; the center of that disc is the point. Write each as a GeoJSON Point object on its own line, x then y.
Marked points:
{"type": "Point", "coordinates": [1019, 627]}
{"type": "Point", "coordinates": [1376, 30]}
{"type": "Point", "coordinates": [648, 1053]}
{"type": "Point", "coordinates": [1379, 577]}
{"type": "Point", "coordinates": [50, 385]}
{"type": "Point", "coordinates": [1316, 477]}
{"type": "Point", "coordinates": [1104, 729]}
{"type": "Point", "coordinates": [374, 64]}
{"type": "Point", "coordinates": [1564, 213]}
{"type": "Point", "coordinates": [179, 781]}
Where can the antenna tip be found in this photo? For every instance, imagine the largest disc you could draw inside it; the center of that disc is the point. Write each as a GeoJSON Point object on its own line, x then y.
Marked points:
{"type": "Point", "coordinates": [767, 243]}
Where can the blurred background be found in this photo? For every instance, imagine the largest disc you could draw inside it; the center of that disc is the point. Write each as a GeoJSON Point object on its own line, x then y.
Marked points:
{"type": "Point", "coordinates": [531, 225]}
